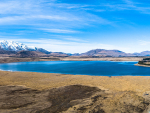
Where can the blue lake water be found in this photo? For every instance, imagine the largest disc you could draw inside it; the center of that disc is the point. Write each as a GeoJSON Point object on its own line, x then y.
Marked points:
{"type": "Point", "coordinates": [98, 68]}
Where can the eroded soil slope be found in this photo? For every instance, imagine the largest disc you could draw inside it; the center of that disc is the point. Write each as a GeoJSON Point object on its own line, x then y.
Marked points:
{"type": "Point", "coordinates": [69, 99]}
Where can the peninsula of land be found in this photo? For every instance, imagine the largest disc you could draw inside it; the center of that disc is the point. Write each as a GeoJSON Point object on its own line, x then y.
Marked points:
{"type": "Point", "coordinates": [145, 62]}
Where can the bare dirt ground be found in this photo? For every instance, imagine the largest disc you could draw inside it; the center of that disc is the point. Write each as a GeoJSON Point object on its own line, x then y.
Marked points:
{"type": "Point", "coordinates": [53, 93]}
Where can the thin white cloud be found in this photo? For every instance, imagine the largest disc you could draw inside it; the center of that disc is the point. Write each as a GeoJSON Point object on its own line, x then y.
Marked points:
{"type": "Point", "coordinates": [75, 39]}
{"type": "Point", "coordinates": [59, 30]}
{"type": "Point", "coordinates": [11, 20]}
{"type": "Point", "coordinates": [144, 43]}
{"type": "Point", "coordinates": [128, 5]}
{"type": "Point", "coordinates": [51, 17]}
{"type": "Point", "coordinates": [14, 11]}
{"type": "Point", "coordinates": [18, 7]}
{"type": "Point", "coordinates": [28, 18]}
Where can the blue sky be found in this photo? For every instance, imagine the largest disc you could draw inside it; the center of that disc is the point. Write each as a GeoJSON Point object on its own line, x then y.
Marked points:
{"type": "Point", "coordinates": [76, 26]}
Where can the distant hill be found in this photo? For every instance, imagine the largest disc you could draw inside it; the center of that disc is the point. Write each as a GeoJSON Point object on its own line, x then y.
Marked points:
{"type": "Point", "coordinates": [144, 53]}
{"type": "Point", "coordinates": [43, 50]}
{"type": "Point", "coordinates": [106, 53]}
{"type": "Point", "coordinates": [7, 52]}
{"type": "Point", "coordinates": [59, 54]}
{"type": "Point", "coordinates": [25, 54]}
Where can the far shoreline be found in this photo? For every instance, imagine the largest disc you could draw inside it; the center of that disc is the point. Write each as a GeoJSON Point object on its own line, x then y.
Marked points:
{"type": "Point", "coordinates": [17, 59]}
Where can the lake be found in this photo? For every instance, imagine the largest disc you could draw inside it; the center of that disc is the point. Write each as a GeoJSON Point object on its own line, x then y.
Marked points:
{"type": "Point", "coordinates": [96, 68]}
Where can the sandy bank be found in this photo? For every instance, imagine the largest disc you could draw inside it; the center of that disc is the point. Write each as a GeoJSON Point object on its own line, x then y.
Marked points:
{"type": "Point", "coordinates": [41, 81]}
{"type": "Point", "coordinates": [103, 59]}
{"type": "Point", "coordinates": [13, 59]}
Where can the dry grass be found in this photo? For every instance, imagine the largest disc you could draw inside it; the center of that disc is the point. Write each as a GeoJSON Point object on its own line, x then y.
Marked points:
{"type": "Point", "coordinates": [40, 81]}
{"type": "Point", "coordinates": [103, 59]}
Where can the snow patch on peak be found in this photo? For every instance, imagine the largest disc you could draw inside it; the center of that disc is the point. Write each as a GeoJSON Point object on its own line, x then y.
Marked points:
{"type": "Point", "coordinates": [14, 46]}
{"type": "Point", "coordinates": [32, 47]}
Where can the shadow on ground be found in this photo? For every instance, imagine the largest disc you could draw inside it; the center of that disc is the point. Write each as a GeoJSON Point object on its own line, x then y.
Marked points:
{"type": "Point", "coordinates": [70, 99]}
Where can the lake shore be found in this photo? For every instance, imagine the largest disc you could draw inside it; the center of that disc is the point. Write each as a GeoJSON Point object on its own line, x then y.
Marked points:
{"type": "Point", "coordinates": [103, 59]}
{"type": "Point", "coordinates": [86, 93]}
{"type": "Point", "coordinates": [13, 59]}
{"type": "Point", "coordinates": [42, 81]}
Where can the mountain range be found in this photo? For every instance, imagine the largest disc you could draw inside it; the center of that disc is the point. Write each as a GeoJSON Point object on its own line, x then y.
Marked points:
{"type": "Point", "coordinates": [17, 49]}
{"type": "Point", "coordinates": [112, 53]}
{"type": "Point", "coordinates": [21, 50]}
{"type": "Point", "coordinates": [105, 53]}
{"type": "Point", "coordinates": [13, 46]}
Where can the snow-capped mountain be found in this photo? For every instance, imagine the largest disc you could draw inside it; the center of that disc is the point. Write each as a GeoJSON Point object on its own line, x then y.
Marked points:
{"type": "Point", "coordinates": [14, 46]}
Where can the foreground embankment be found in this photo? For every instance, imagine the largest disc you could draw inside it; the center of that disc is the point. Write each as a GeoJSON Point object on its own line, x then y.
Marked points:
{"type": "Point", "coordinates": [41, 81]}
{"type": "Point", "coordinates": [53, 93]}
